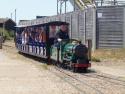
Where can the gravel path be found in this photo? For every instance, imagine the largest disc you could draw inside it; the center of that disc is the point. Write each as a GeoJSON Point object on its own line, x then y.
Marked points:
{"type": "Point", "coordinates": [110, 70]}
{"type": "Point", "coordinates": [95, 82]}
{"type": "Point", "coordinates": [22, 75]}
{"type": "Point", "coordinates": [19, 77]}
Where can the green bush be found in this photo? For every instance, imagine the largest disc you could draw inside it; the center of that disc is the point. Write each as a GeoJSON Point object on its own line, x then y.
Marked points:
{"type": "Point", "coordinates": [7, 34]}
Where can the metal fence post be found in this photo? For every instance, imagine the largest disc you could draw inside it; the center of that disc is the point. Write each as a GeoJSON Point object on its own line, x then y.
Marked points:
{"type": "Point", "coordinates": [124, 29]}
{"type": "Point", "coordinates": [89, 44]}
{"type": "Point", "coordinates": [1, 40]}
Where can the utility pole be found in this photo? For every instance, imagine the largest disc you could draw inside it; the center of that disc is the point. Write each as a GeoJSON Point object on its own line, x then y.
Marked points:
{"type": "Point", "coordinates": [101, 2]}
{"type": "Point", "coordinates": [15, 15]}
{"type": "Point", "coordinates": [74, 8]}
{"type": "Point", "coordinates": [65, 6]}
{"type": "Point", "coordinates": [57, 7]}
{"type": "Point", "coordinates": [60, 6]}
{"type": "Point", "coordinates": [11, 15]}
{"type": "Point", "coordinates": [115, 2]}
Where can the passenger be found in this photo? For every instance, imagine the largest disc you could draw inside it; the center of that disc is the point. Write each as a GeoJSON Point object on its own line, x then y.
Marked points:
{"type": "Point", "coordinates": [63, 32]}
{"type": "Point", "coordinates": [33, 34]}
{"type": "Point", "coordinates": [42, 35]}
{"type": "Point", "coordinates": [23, 37]}
{"type": "Point", "coordinates": [52, 34]}
{"type": "Point", "coordinates": [30, 36]}
{"type": "Point", "coordinates": [37, 35]}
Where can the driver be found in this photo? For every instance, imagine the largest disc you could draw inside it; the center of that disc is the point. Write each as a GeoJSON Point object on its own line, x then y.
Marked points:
{"type": "Point", "coordinates": [63, 32]}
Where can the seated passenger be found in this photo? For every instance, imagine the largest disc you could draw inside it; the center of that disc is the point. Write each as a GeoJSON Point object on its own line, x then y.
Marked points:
{"type": "Point", "coordinates": [52, 34]}
{"type": "Point", "coordinates": [63, 32]}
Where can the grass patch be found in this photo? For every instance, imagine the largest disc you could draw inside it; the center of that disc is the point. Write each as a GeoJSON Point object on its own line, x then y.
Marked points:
{"type": "Point", "coordinates": [94, 59]}
{"type": "Point", "coordinates": [116, 54]}
{"type": "Point", "coordinates": [122, 78]}
{"type": "Point", "coordinates": [45, 66]}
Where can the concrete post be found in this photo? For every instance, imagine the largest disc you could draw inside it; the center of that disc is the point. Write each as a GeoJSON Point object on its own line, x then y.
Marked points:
{"type": "Point", "coordinates": [89, 42]}
{"type": "Point", "coordinates": [94, 30]}
{"type": "Point", "coordinates": [1, 40]}
{"type": "Point", "coordinates": [124, 29]}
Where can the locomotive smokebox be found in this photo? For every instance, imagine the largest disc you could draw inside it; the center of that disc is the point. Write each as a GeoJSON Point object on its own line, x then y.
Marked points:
{"type": "Point", "coordinates": [80, 50]}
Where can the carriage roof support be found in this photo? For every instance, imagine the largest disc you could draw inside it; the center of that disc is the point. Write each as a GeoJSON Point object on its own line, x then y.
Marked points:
{"type": "Point", "coordinates": [57, 23]}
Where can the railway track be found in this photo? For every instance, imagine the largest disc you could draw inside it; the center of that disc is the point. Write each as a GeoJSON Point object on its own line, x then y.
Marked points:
{"type": "Point", "coordinates": [103, 76]}
{"type": "Point", "coordinates": [86, 84]}
{"type": "Point", "coordinates": [103, 82]}
{"type": "Point", "coordinates": [64, 76]}
{"type": "Point", "coordinates": [72, 79]}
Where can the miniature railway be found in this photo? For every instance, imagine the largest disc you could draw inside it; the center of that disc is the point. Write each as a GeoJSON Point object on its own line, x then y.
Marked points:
{"type": "Point", "coordinates": [89, 80]}
{"type": "Point", "coordinates": [71, 79]}
{"type": "Point", "coordinates": [83, 86]}
{"type": "Point", "coordinates": [103, 76]}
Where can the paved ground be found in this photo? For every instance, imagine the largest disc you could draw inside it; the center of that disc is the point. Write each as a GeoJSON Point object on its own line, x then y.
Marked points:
{"type": "Point", "coordinates": [19, 77]}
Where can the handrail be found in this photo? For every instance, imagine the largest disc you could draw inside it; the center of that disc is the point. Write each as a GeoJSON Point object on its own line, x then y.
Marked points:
{"type": "Point", "coordinates": [81, 4]}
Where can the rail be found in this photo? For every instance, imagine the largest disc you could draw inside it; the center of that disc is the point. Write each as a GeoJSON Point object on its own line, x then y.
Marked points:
{"type": "Point", "coordinates": [71, 79]}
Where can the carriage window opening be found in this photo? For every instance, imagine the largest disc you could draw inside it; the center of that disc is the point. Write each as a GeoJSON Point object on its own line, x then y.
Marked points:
{"type": "Point", "coordinates": [43, 32]}
{"type": "Point", "coordinates": [24, 36]}
{"type": "Point", "coordinates": [52, 31]}
{"type": "Point", "coordinates": [18, 35]}
{"type": "Point", "coordinates": [36, 34]}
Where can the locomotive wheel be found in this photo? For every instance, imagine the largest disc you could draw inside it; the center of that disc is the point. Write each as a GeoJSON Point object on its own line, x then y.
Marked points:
{"type": "Point", "coordinates": [74, 69]}
{"type": "Point", "coordinates": [84, 70]}
{"type": "Point", "coordinates": [64, 64]}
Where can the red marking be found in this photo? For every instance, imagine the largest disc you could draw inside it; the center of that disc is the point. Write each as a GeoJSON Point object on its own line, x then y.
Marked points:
{"type": "Point", "coordinates": [82, 65]}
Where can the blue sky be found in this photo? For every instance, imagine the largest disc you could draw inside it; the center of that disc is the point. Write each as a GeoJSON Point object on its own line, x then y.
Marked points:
{"type": "Point", "coordinates": [28, 9]}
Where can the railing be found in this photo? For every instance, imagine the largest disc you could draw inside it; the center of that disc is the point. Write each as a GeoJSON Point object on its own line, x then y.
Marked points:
{"type": "Point", "coordinates": [109, 2]}
{"type": "Point", "coordinates": [81, 4]}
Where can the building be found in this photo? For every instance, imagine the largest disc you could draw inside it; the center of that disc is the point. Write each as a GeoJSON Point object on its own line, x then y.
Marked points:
{"type": "Point", "coordinates": [101, 22]}
{"type": "Point", "coordinates": [7, 23]}
{"type": "Point", "coordinates": [110, 32]}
